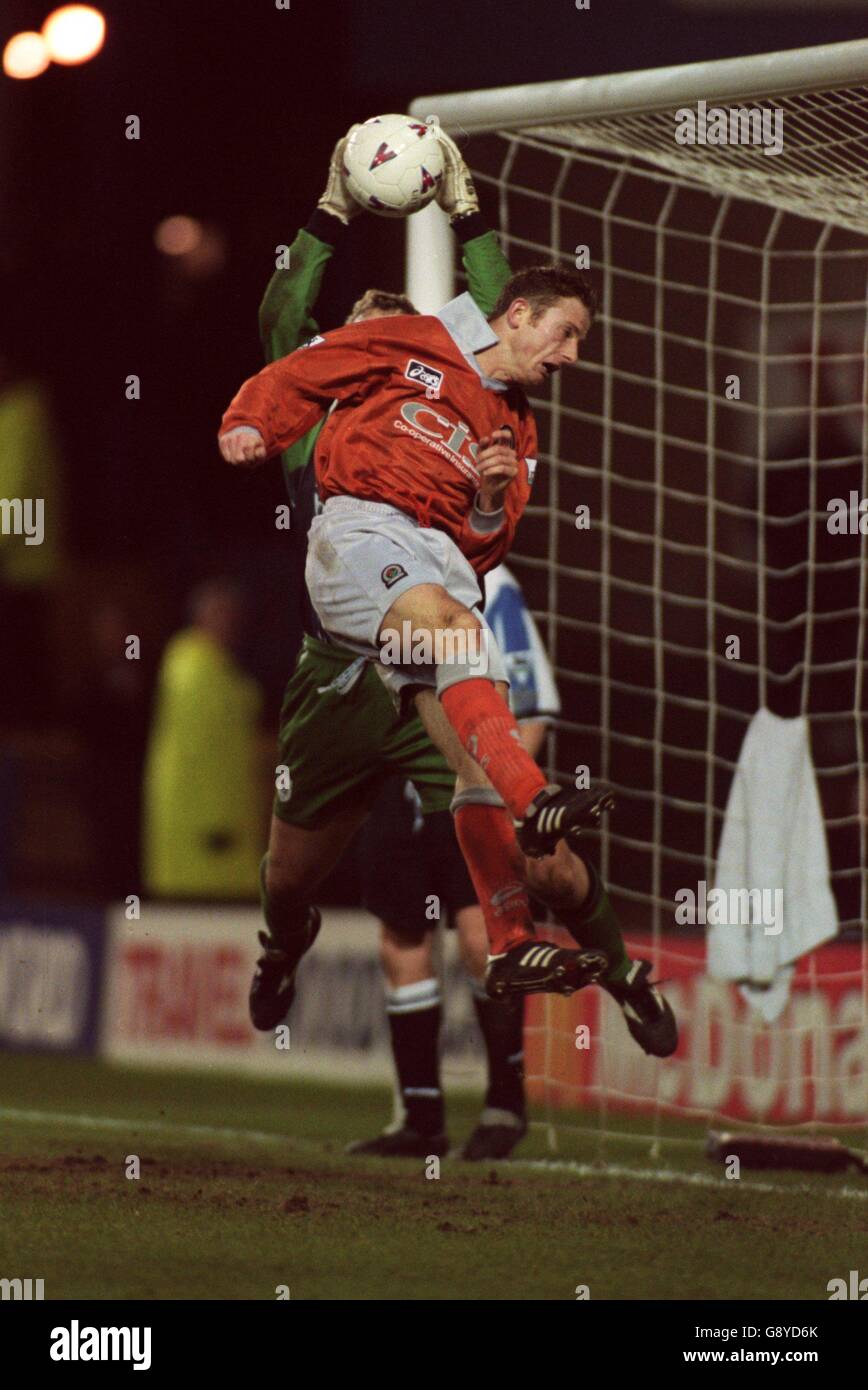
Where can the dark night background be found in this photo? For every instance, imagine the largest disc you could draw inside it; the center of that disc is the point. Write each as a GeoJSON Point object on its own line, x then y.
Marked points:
{"type": "Point", "coordinates": [240, 105]}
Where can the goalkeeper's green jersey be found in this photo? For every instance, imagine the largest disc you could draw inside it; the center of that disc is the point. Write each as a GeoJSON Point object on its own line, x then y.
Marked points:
{"type": "Point", "coordinates": [287, 320]}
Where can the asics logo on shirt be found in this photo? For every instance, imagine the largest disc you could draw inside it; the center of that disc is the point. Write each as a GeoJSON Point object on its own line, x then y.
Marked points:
{"type": "Point", "coordinates": [429, 377]}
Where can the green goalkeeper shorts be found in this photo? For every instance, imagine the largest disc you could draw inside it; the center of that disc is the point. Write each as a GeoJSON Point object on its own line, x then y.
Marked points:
{"type": "Point", "coordinates": [341, 738]}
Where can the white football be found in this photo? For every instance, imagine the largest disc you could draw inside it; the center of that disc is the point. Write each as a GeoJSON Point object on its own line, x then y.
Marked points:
{"type": "Point", "coordinates": [393, 165]}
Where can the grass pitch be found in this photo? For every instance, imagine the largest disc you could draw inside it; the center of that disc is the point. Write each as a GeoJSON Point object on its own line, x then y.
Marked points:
{"type": "Point", "coordinates": [244, 1187]}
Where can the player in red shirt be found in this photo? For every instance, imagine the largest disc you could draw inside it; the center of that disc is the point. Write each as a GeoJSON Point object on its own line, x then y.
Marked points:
{"type": "Point", "coordinates": [425, 468]}
{"type": "Point", "coordinates": [414, 411]}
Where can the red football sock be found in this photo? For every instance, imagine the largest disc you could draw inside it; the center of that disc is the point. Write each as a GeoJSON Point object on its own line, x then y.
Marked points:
{"type": "Point", "coordinates": [482, 720]}
{"type": "Point", "coordinates": [487, 839]}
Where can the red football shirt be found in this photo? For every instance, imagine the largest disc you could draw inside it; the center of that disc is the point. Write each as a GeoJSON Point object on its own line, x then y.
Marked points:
{"type": "Point", "coordinates": [410, 412]}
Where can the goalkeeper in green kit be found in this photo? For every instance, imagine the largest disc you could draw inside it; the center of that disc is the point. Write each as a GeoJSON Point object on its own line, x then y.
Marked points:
{"type": "Point", "coordinates": [341, 737]}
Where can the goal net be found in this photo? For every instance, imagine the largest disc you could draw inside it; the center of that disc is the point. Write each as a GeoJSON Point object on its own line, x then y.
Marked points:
{"type": "Point", "coordinates": [719, 410]}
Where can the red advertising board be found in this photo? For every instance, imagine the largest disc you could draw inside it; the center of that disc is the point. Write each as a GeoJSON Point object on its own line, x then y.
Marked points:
{"type": "Point", "coordinates": [810, 1064]}
{"type": "Point", "coordinates": [187, 992]}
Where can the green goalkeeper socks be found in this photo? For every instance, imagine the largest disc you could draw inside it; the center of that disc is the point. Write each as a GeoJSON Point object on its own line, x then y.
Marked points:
{"type": "Point", "coordinates": [596, 925]}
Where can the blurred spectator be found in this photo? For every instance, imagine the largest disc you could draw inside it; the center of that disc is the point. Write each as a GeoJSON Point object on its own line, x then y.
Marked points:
{"type": "Point", "coordinates": [202, 831]}
{"type": "Point", "coordinates": [29, 489]}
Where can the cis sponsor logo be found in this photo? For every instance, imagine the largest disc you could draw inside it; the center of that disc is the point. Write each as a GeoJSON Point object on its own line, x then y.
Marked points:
{"type": "Point", "coordinates": [449, 437]}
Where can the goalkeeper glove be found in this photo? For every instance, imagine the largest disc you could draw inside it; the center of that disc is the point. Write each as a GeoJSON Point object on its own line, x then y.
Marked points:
{"type": "Point", "coordinates": [337, 199]}
{"type": "Point", "coordinates": [456, 193]}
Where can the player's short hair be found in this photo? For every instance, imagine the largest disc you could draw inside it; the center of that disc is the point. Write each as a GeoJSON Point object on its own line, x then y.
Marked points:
{"type": "Point", "coordinates": [542, 286]}
{"type": "Point", "coordinates": [380, 302]}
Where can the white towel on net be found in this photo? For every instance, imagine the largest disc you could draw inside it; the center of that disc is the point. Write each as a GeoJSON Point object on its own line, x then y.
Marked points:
{"type": "Point", "coordinates": [773, 838]}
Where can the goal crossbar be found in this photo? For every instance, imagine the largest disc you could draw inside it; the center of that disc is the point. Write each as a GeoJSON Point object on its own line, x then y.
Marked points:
{"type": "Point", "coordinates": [820, 171]}
{"type": "Point", "coordinates": [762, 76]}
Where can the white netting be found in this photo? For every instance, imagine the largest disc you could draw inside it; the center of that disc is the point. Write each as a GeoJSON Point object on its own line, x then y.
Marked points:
{"type": "Point", "coordinates": [708, 519]}
{"type": "Point", "coordinates": [820, 170]}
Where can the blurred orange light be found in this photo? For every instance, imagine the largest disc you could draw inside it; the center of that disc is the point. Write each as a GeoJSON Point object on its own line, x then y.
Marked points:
{"type": "Point", "coordinates": [25, 55]}
{"type": "Point", "coordinates": [176, 236]}
{"type": "Point", "coordinates": [74, 33]}
{"type": "Point", "coordinates": [197, 249]}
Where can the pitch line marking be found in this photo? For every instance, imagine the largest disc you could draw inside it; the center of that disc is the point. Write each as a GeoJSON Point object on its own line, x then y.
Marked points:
{"type": "Point", "coordinates": [540, 1165]}
{"type": "Point", "coordinates": [60, 1118]}
{"type": "Point", "coordinates": [671, 1175]}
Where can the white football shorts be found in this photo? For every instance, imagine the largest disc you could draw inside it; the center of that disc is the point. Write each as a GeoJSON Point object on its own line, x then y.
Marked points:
{"type": "Point", "coordinates": [361, 557]}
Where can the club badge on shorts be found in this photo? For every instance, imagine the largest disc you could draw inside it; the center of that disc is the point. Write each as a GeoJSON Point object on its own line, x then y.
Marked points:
{"type": "Point", "coordinates": [391, 574]}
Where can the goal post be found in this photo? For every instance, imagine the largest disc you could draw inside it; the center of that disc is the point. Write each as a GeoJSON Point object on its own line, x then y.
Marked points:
{"type": "Point", "coordinates": [430, 275]}
{"type": "Point", "coordinates": [721, 406]}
